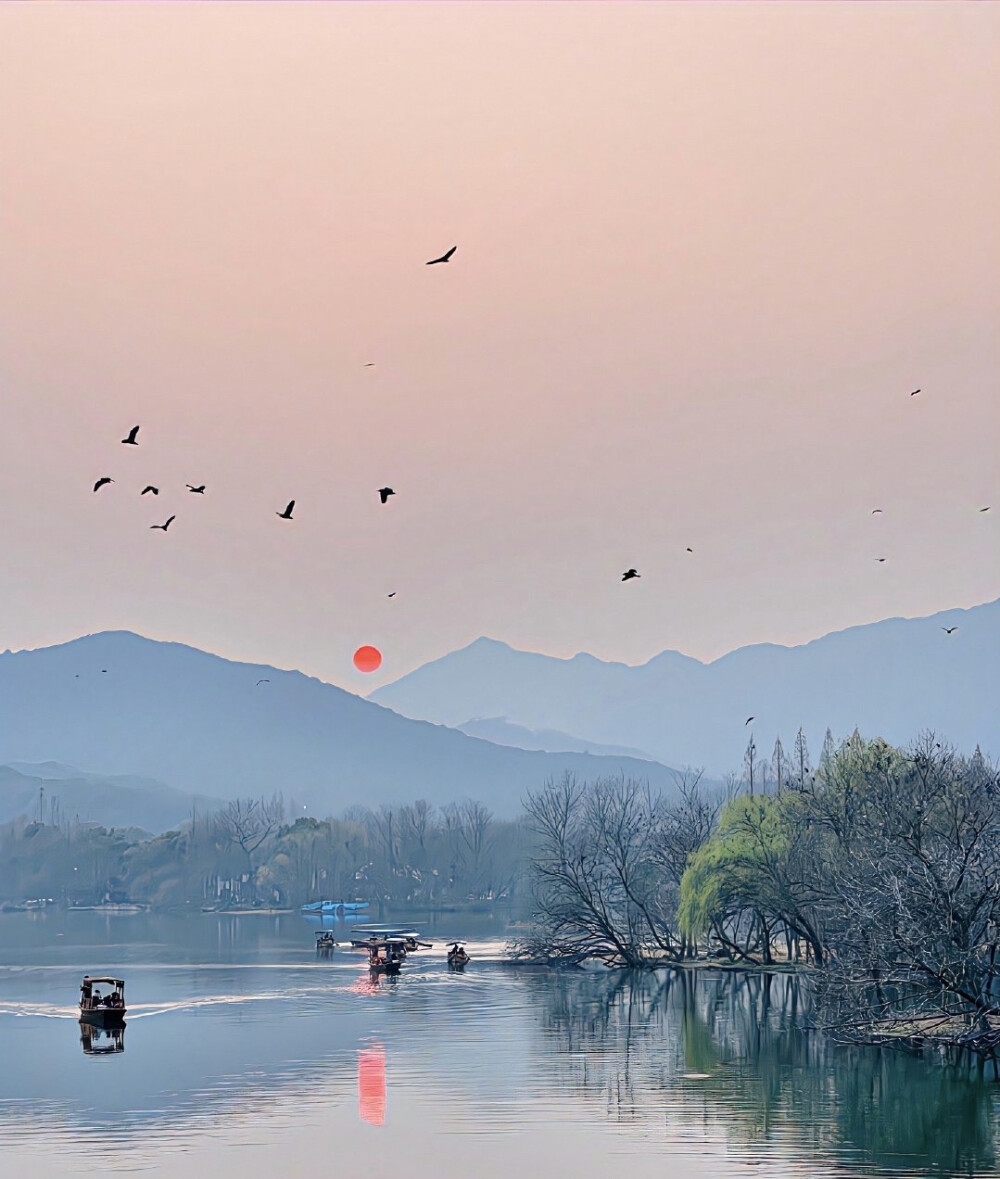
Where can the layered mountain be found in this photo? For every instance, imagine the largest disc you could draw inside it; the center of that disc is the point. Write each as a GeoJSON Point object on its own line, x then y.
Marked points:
{"type": "Point", "coordinates": [126, 705]}
{"type": "Point", "coordinates": [501, 731]}
{"type": "Point", "coordinates": [59, 794]}
{"type": "Point", "coordinates": [894, 679]}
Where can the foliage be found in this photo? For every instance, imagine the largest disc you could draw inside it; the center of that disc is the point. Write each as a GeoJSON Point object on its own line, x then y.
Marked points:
{"type": "Point", "coordinates": [246, 854]}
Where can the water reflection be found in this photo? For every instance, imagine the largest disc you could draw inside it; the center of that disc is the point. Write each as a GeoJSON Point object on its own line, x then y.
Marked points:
{"type": "Point", "coordinates": [657, 1073]}
{"type": "Point", "coordinates": [371, 1085]}
{"type": "Point", "coordinates": [732, 1048]}
{"type": "Point", "coordinates": [98, 1041]}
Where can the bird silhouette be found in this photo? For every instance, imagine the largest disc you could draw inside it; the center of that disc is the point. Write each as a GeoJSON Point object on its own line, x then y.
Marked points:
{"type": "Point", "coordinates": [877, 512]}
{"type": "Point", "coordinates": [444, 257]}
{"type": "Point", "coordinates": [287, 513]}
{"type": "Point", "coordinates": [949, 630]}
{"type": "Point", "coordinates": [370, 364]}
{"type": "Point", "coordinates": [196, 490]}
{"type": "Point", "coordinates": [101, 482]}
{"type": "Point", "coordinates": [748, 720]}
{"type": "Point", "coordinates": [164, 527]}
{"type": "Point", "coordinates": [384, 493]}
{"type": "Point", "coordinates": [689, 550]}
{"type": "Point", "coordinates": [629, 574]}
{"type": "Point", "coordinates": [259, 682]}
{"type": "Point", "coordinates": [131, 440]}
{"type": "Point", "coordinates": [880, 560]}
{"type": "Point", "coordinates": [986, 509]}
{"type": "Point", "coordinates": [915, 392]}
{"type": "Point", "coordinates": [150, 487]}
{"type": "Point", "coordinates": [392, 595]}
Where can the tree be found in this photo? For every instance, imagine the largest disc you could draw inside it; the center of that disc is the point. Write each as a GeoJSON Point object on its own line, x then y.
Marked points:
{"type": "Point", "coordinates": [598, 884]}
{"type": "Point", "coordinates": [778, 765]}
{"type": "Point", "coordinates": [247, 823]}
{"type": "Point", "coordinates": [801, 758]}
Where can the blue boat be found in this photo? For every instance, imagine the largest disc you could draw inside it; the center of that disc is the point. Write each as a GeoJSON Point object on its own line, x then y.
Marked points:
{"type": "Point", "coordinates": [337, 908]}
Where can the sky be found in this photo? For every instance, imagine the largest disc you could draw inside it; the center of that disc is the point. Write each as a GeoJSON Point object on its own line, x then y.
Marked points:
{"type": "Point", "coordinates": [705, 253]}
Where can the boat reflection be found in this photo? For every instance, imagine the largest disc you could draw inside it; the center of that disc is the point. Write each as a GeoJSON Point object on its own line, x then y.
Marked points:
{"type": "Point", "coordinates": [371, 1085]}
{"type": "Point", "coordinates": [98, 1041]}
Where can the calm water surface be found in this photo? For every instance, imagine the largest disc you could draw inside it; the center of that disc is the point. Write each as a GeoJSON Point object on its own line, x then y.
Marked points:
{"type": "Point", "coordinates": [245, 1054]}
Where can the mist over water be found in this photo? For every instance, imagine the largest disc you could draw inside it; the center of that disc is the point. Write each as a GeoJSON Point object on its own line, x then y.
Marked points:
{"type": "Point", "coordinates": [239, 1037]}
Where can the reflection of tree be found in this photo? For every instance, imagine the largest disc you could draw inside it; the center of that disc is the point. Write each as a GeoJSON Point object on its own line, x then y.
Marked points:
{"type": "Point", "coordinates": [729, 1049]}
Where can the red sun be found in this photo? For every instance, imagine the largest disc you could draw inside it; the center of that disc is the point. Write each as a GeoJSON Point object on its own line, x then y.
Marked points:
{"type": "Point", "coordinates": [368, 659]}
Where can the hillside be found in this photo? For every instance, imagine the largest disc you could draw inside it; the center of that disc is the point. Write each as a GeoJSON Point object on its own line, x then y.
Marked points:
{"type": "Point", "coordinates": [68, 794]}
{"type": "Point", "coordinates": [126, 705]}
{"type": "Point", "coordinates": [892, 678]}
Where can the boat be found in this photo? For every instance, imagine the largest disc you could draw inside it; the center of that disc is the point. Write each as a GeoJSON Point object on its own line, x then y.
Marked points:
{"type": "Point", "coordinates": [457, 956]}
{"type": "Point", "coordinates": [386, 955]}
{"type": "Point", "coordinates": [337, 908]}
{"type": "Point", "coordinates": [325, 941]}
{"type": "Point", "coordinates": [102, 1009]}
{"type": "Point", "coordinates": [410, 937]}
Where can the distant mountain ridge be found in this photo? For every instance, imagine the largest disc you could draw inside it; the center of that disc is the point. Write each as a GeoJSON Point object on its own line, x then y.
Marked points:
{"type": "Point", "coordinates": [123, 704]}
{"type": "Point", "coordinates": [893, 678]}
{"type": "Point", "coordinates": [501, 731]}
{"type": "Point", "coordinates": [59, 793]}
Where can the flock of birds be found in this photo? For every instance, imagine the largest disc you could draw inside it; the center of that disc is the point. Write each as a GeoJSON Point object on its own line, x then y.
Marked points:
{"type": "Point", "coordinates": [631, 574]}
{"type": "Point", "coordinates": [133, 440]}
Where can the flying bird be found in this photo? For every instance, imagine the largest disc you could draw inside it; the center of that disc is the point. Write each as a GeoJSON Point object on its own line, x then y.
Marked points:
{"type": "Point", "coordinates": [370, 364]}
{"type": "Point", "coordinates": [915, 392]}
{"type": "Point", "coordinates": [150, 487]}
{"type": "Point", "coordinates": [444, 257]}
{"type": "Point", "coordinates": [881, 560]}
{"type": "Point", "coordinates": [195, 490]}
{"type": "Point", "coordinates": [949, 630]}
{"type": "Point", "coordinates": [748, 720]}
{"type": "Point", "coordinates": [287, 513]}
{"type": "Point", "coordinates": [259, 682]}
{"type": "Point", "coordinates": [877, 512]}
{"type": "Point", "coordinates": [101, 482]}
{"type": "Point", "coordinates": [131, 440]}
{"type": "Point", "coordinates": [629, 574]}
{"type": "Point", "coordinates": [689, 550]}
{"type": "Point", "coordinates": [164, 527]}
{"type": "Point", "coordinates": [392, 595]}
{"type": "Point", "coordinates": [986, 509]}
{"type": "Point", "coordinates": [384, 493]}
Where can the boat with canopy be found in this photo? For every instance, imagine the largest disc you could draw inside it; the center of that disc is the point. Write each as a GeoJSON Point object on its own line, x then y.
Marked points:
{"type": "Point", "coordinates": [103, 1008]}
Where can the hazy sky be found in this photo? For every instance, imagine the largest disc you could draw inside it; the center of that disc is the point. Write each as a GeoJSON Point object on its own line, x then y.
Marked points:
{"type": "Point", "coordinates": [704, 254]}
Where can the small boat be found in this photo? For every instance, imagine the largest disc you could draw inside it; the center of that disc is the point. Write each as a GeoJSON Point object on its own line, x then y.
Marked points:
{"type": "Point", "coordinates": [325, 941]}
{"type": "Point", "coordinates": [103, 1010]}
{"type": "Point", "coordinates": [386, 955]}
{"type": "Point", "coordinates": [335, 908]}
{"type": "Point", "coordinates": [411, 939]}
{"type": "Point", "coordinates": [458, 959]}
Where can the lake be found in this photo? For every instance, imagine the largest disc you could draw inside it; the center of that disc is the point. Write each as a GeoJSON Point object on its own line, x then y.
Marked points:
{"type": "Point", "coordinates": [244, 1053]}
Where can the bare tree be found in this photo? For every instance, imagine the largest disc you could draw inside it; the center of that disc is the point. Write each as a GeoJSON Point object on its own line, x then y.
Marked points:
{"type": "Point", "coordinates": [599, 888]}
{"type": "Point", "coordinates": [247, 823]}
{"type": "Point", "coordinates": [778, 765]}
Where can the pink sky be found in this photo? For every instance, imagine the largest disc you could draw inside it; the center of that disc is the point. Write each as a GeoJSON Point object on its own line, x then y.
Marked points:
{"type": "Point", "coordinates": [704, 254]}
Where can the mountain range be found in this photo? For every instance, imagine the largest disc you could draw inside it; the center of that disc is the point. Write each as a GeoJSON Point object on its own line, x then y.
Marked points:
{"type": "Point", "coordinates": [60, 793]}
{"type": "Point", "coordinates": [893, 678]}
{"type": "Point", "coordinates": [120, 704]}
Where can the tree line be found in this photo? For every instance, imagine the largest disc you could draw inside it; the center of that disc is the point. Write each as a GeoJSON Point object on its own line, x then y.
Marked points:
{"type": "Point", "coordinates": [879, 870]}
{"type": "Point", "coordinates": [249, 854]}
